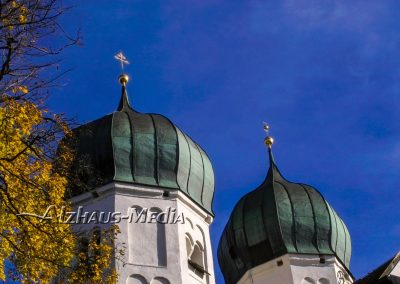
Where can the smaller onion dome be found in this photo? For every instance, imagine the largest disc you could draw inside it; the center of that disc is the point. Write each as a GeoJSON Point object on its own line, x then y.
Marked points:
{"type": "Point", "coordinates": [143, 149]}
{"type": "Point", "coordinates": [277, 218]}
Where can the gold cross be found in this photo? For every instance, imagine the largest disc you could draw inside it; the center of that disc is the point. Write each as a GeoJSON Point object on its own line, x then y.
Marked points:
{"type": "Point", "coordinates": [266, 127]}
{"type": "Point", "coordinates": [121, 58]}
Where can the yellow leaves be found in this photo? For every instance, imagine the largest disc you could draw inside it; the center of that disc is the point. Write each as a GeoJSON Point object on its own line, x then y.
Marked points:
{"type": "Point", "coordinates": [23, 16]}
{"type": "Point", "coordinates": [29, 182]}
{"type": "Point", "coordinates": [23, 89]}
{"type": "Point", "coordinates": [18, 14]}
{"type": "Point", "coordinates": [22, 19]}
{"type": "Point", "coordinates": [31, 178]}
{"type": "Point", "coordinates": [96, 259]}
{"type": "Point", "coordinates": [21, 119]}
{"type": "Point", "coordinates": [30, 185]}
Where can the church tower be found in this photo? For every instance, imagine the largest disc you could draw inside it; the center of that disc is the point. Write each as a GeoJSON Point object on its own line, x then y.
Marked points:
{"type": "Point", "coordinates": [151, 179]}
{"type": "Point", "coordinates": [284, 233]}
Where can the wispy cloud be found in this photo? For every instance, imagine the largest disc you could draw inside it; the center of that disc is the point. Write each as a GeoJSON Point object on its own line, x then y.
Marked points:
{"type": "Point", "coordinates": [356, 16]}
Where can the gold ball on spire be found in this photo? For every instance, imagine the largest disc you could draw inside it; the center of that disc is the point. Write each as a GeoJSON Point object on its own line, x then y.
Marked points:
{"type": "Point", "coordinates": [269, 141]}
{"type": "Point", "coordinates": [123, 79]}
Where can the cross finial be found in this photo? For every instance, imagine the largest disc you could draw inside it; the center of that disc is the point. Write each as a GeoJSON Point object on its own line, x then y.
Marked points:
{"type": "Point", "coordinates": [121, 58]}
{"type": "Point", "coordinates": [266, 127]}
{"type": "Point", "coordinates": [123, 78]}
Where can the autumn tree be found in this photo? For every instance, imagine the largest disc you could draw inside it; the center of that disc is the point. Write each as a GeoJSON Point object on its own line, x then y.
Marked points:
{"type": "Point", "coordinates": [33, 164]}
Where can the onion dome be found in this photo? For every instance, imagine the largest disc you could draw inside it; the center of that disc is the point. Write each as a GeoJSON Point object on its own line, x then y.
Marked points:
{"type": "Point", "coordinates": [143, 149]}
{"type": "Point", "coordinates": [277, 218]}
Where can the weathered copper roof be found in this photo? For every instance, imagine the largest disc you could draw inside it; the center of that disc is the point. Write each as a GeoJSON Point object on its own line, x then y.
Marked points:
{"type": "Point", "coordinates": [280, 217]}
{"type": "Point", "coordinates": [146, 149]}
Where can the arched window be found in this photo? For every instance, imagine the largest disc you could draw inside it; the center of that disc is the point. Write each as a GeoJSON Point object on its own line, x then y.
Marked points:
{"type": "Point", "coordinates": [323, 281]}
{"type": "Point", "coordinates": [135, 235]}
{"type": "Point", "coordinates": [189, 245]}
{"type": "Point", "coordinates": [147, 241]}
{"type": "Point", "coordinates": [159, 280]}
{"type": "Point", "coordinates": [85, 241]}
{"type": "Point", "coordinates": [195, 253]}
{"type": "Point", "coordinates": [202, 245]}
{"type": "Point", "coordinates": [197, 256]}
{"type": "Point", "coordinates": [308, 280]}
{"type": "Point", "coordinates": [136, 279]}
{"type": "Point", "coordinates": [83, 245]}
{"type": "Point", "coordinates": [95, 237]}
{"type": "Point", "coordinates": [161, 240]}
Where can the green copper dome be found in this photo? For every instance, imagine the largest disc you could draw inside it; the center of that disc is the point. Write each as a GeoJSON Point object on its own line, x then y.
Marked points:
{"type": "Point", "coordinates": [145, 149]}
{"type": "Point", "coordinates": [280, 217]}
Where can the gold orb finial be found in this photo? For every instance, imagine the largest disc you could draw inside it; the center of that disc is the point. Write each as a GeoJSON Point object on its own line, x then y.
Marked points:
{"type": "Point", "coordinates": [268, 140]}
{"type": "Point", "coordinates": [123, 79]}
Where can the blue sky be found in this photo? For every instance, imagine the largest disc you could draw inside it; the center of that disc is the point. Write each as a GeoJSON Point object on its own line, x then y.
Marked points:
{"type": "Point", "coordinates": [324, 74]}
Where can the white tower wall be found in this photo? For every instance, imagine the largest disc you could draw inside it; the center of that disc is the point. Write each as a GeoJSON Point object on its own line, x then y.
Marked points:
{"type": "Point", "coordinates": [178, 252]}
{"type": "Point", "coordinates": [298, 269]}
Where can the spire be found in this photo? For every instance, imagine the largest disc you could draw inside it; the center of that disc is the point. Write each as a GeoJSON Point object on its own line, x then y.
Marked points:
{"type": "Point", "coordinates": [123, 80]}
{"type": "Point", "coordinates": [124, 101]}
{"type": "Point", "coordinates": [273, 171]}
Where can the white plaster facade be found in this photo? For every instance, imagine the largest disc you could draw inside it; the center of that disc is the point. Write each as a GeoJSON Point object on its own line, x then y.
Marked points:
{"type": "Point", "coordinates": [392, 272]}
{"type": "Point", "coordinates": [396, 270]}
{"type": "Point", "coordinates": [155, 252]}
{"type": "Point", "coordinates": [298, 269]}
